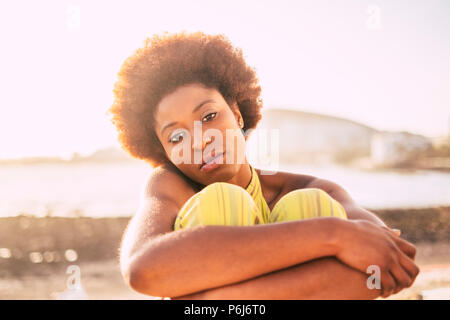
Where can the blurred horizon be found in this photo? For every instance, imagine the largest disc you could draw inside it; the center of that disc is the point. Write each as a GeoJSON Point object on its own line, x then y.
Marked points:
{"type": "Point", "coordinates": [380, 63]}
{"type": "Point", "coordinates": [76, 155]}
{"type": "Point", "coordinates": [371, 165]}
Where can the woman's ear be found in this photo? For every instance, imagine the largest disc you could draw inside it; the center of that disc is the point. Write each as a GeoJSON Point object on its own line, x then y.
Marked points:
{"type": "Point", "coordinates": [237, 115]}
{"type": "Point", "coordinates": [239, 119]}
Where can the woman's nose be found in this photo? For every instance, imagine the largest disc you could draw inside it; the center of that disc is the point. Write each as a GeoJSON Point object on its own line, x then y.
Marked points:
{"type": "Point", "coordinates": [201, 145]}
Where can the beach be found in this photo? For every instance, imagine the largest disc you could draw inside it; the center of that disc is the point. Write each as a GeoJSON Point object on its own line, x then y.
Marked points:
{"type": "Point", "coordinates": [102, 280]}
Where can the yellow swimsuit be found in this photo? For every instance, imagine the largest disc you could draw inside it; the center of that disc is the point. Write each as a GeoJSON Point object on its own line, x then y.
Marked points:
{"type": "Point", "coordinates": [222, 203]}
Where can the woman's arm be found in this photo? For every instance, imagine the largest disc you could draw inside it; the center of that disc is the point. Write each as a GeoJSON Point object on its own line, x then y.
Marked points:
{"type": "Point", "coordinates": [158, 261]}
{"type": "Point", "coordinates": [325, 278]}
{"type": "Point", "coordinates": [292, 181]}
{"type": "Point", "coordinates": [204, 257]}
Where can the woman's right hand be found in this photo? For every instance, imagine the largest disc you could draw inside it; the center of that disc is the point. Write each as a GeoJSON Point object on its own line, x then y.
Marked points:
{"type": "Point", "coordinates": [362, 243]}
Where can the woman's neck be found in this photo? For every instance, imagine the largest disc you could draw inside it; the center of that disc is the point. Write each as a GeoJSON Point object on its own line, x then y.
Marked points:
{"type": "Point", "coordinates": [243, 177]}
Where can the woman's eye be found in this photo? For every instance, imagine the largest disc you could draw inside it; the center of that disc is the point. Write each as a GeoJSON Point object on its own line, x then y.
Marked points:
{"type": "Point", "coordinates": [176, 138]}
{"type": "Point", "coordinates": [210, 116]}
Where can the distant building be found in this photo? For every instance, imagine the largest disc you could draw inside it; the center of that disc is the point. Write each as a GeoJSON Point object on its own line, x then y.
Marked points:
{"type": "Point", "coordinates": [393, 149]}
{"type": "Point", "coordinates": [312, 138]}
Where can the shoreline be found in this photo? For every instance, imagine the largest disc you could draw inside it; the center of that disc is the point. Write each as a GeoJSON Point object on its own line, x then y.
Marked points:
{"type": "Point", "coordinates": [99, 238]}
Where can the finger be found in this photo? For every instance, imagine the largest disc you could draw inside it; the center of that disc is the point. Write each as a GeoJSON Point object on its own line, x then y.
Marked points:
{"type": "Point", "coordinates": [401, 277]}
{"type": "Point", "coordinates": [395, 232]}
{"type": "Point", "coordinates": [408, 248]}
{"type": "Point", "coordinates": [387, 284]}
{"type": "Point", "coordinates": [410, 267]}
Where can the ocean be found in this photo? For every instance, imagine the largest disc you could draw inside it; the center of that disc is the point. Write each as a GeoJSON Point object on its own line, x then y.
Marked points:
{"type": "Point", "coordinates": [113, 189]}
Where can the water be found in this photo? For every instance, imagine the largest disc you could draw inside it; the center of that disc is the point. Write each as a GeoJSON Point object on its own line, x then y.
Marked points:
{"type": "Point", "coordinates": [112, 190]}
{"type": "Point", "coordinates": [386, 189]}
{"type": "Point", "coordinates": [91, 189]}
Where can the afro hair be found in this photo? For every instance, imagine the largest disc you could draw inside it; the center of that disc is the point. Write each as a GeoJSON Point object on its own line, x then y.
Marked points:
{"type": "Point", "coordinates": [166, 62]}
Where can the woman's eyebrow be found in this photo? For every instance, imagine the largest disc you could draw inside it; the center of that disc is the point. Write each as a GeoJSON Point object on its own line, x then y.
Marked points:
{"type": "Point", "coordinates": [193, 111]}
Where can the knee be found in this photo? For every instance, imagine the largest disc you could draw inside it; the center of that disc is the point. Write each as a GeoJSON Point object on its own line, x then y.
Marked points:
{"type": "Point", "coordinates": [228, 199]}
{"type": "Point", "coordinates": [218, 194]}
{"type": "Point", "coordinates": [306, 204]}
{"type": "Point", "coordinates": [328, 205]}
{"type": "Point", "coordinates": [219, 203]}
{"type": "Point", "coordinates": [216, 187]}
{"type": "Point", "coordinates": [322, 204]}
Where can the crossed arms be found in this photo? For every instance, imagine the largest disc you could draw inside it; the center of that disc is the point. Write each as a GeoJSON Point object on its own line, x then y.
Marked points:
{"type": "Point", "coordinates": [323, 278]}
{"type": "Point", "coordinates": [288, 260]}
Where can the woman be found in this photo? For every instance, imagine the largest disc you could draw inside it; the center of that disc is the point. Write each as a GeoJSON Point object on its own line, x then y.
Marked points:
{"type": "Point", "coordinates": [210, 225]}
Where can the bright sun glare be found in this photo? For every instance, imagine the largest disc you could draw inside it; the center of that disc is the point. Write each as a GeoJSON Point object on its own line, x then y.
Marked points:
{"type": "Point", "coordinates": [387, 68]}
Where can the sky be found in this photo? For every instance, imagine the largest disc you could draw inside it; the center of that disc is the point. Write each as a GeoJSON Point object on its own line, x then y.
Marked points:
{"type": "Point", "coordinates": [385, 64]}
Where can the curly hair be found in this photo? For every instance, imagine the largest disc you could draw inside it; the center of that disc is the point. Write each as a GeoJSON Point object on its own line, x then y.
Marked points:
{"type": "Point", "coordinates": [166, 62]}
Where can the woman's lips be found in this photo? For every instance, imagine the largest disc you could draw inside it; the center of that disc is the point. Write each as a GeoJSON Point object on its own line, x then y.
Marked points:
{"type": "Point", "coordinates": [212, 163]}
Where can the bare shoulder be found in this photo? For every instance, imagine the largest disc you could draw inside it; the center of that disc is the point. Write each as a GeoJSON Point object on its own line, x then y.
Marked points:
{"type": "Point", "coordinates": [285, 180]}
{"type": "Point", "coordinates": [164, 193]}
{"type": "Point", "coordinates": [276, 185]}
{"type": "Point", "coordinates": [166, 182]}
{"type": "Point", "coordinates": [288, 181]}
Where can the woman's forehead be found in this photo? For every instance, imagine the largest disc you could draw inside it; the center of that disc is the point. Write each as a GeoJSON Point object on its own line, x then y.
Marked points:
{"type": "Point", "coordinates": [184, 100]}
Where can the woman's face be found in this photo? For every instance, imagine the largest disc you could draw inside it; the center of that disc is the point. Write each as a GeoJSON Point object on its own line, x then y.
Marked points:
{"type": "Point", "coordinates": [194, 125]}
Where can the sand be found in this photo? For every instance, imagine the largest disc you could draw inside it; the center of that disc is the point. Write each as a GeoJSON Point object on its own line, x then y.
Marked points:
{"type": "Point", "coordinates": [35, 254]}
{"type": "Point", "coordinates": [102, 280]}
